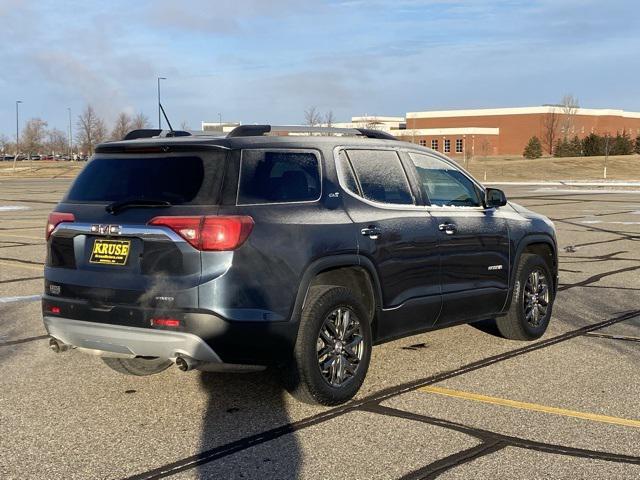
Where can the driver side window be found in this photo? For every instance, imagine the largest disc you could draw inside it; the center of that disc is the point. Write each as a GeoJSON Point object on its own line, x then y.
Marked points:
{"type": "Point", "coordinates": [443, 184]}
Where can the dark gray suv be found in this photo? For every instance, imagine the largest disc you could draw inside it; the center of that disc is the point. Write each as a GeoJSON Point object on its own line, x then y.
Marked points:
{"type": "Point", "coordinates": [294, 247]}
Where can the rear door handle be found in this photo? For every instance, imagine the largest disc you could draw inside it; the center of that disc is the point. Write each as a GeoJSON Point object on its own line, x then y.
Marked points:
{"type": "Point", "coordinates": [448, 228]}
{"type": "Point", "coordinates": [371, 231]}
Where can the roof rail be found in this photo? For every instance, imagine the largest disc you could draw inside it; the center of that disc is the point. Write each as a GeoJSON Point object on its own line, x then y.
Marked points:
{"type": "Point", "coordinates": [260, 130]}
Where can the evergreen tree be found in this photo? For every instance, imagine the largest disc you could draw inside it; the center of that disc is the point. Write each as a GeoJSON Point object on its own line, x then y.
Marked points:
{"type": "Point", "coordinates": [533, 148]}
{"type": "Point", "coordinates": [622, 144]}
{"type": "Point", "coordinates": [592, 145]}
{"type": "Point", "coordinates": [575, 147]}
{"type": "Point", "coordinates": [637, 149]}
{"type": "Point", "coordinates": [560, 148]}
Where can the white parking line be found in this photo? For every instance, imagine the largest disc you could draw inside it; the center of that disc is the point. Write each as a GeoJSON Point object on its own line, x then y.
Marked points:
{"type": "Point", "coordinates": [25, 298]}
{"type": "Point", "coordinates": [13, 208]}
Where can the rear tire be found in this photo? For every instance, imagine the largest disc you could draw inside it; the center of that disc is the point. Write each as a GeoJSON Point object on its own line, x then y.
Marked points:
{"type": "Point", "coordinates": [531, 302]}
{"type": "Point", "coordinates": [333, 348]}
{"type": "Point", "coordinates": [140, 367]}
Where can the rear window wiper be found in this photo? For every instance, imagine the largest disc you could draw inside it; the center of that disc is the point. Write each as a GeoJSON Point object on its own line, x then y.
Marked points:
{"type": "Point", "coordinates": [116, 207]}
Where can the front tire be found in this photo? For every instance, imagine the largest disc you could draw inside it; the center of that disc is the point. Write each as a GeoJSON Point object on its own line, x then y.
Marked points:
{"type": "Point", "coordinates": [333, 348]}
{"type": "Point", "coordinates": [140, 367]}
{"type": "Point", "coordinates": [532, 301]}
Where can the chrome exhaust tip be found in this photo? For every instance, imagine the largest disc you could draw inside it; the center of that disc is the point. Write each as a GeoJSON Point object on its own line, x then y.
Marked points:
{"type": "Point", "coordinates": [56, 346]}
{"type": "Point", "coordinates": [185, 363]}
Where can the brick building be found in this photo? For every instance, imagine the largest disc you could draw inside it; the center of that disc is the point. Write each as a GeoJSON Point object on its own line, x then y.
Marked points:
{"type": "Point", "coordinates": [506, 131]}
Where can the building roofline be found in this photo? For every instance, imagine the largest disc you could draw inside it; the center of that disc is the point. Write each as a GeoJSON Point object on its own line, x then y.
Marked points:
{"type": "Point", "coordinates": [429, 132]}
{"type": "Point", "coordinates": [483, 112]}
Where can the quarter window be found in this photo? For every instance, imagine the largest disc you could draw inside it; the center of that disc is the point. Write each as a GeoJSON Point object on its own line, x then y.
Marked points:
{"type": "Point", "coordinates": [458, 145]}
{"type": "Point", "coordinates": [444, 184]}
{"type": "Point", "coordinates": [447, 145]}
{"type": "Point", "coordinates": [278, 177]}
{"type": "Point", "coordinates": [380, 176]}
{"type": "Point", "coordinates": [434, 144]}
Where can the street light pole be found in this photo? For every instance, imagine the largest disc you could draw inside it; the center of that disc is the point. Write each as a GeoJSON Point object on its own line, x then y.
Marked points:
{"type": "Point", "coordinates": [70, 137]}
{"type": "Point", "coordinates": [159, 113]}
{"type": "Point", "coordinates": [18, 102]}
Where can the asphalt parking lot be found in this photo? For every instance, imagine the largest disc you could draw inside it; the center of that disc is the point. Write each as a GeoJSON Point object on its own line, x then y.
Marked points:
{"type": "Point", "coordinates": [455, 403]}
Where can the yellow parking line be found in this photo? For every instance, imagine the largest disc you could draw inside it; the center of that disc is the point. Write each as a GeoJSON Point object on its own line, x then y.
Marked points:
{"type": "Point", "coordinates": [28, 266]}
{"type": "Point", "coordinates": [626, 422]}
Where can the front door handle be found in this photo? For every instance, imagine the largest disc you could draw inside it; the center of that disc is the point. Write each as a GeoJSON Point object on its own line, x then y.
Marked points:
{"type": "Point", "coordinates": [448, 228]}
{"type": "Point", "coordinates": [371, 231]}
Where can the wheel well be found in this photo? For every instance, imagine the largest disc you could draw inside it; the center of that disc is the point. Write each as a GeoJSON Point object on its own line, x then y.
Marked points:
{"type": "Point", "coordinates": [543, 250]}
{"type": "Point", "coordinates": [356, 279]}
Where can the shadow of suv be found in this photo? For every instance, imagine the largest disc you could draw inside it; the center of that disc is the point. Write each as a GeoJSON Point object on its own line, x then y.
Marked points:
{"type": "Point", "coordinates": [269, 247]}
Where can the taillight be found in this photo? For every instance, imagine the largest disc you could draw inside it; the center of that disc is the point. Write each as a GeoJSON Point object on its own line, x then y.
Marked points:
{"type": "Point", "coordinates": [56, 218]}
{"type": "Point", "coordinates": [209, 233]}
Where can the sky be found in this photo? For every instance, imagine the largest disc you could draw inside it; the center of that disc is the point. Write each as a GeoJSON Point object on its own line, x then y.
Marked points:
{"type": "Point", "coordinates": [259, 61]}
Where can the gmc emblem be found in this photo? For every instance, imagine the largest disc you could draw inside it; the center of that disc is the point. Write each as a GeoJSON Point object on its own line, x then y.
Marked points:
{"type": "Point", "coordinates": [106, 229]}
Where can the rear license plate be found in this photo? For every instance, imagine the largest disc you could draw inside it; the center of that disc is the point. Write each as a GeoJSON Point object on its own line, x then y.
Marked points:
{"type": "Point", "coordinates": [110, 252]}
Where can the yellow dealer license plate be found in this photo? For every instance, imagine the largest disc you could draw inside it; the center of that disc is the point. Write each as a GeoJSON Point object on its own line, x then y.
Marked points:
{"type": "Point", "coordinates": [110, 252]}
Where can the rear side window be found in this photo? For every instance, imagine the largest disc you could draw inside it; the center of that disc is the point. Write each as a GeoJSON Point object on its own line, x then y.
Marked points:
{"type": "Point", "coordinates": [278, 177]}
{"type": "Point", "coordinates": [381, 176]}
{"type": "Point", "coordinates": [178, 180]}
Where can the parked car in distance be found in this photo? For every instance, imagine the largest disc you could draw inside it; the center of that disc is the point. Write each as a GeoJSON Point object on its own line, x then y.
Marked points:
{"type": "Point", "coordinates": [301, 251]}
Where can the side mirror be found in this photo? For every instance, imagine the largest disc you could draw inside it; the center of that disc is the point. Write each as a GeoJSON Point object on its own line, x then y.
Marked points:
{"type": "Point", "coordinates": [494, 197]}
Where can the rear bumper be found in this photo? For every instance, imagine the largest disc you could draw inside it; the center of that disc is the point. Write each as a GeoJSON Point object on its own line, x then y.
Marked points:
{"type": "Point", "coordinates": [205, 336]}
{"type": "Point", "coordinates": [129, 341]}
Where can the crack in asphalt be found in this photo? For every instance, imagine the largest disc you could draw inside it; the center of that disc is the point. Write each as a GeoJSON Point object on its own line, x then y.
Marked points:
{"type": "Point", "coordinates": [245, 443]}
{"type": "Point", "coordinates": [491, 442]}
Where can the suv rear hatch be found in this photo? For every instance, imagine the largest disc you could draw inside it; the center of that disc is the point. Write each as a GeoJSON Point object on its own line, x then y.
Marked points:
{"type": "Point", "coordinates": [105, 246]}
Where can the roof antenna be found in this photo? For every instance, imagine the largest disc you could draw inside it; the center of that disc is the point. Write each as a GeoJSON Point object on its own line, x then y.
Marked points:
{"type": "Point", "coordinates": [171, 132]}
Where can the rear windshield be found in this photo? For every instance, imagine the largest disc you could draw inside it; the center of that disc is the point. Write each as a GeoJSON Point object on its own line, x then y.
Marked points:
{"type": "Point", "coordinates": [178, 180]}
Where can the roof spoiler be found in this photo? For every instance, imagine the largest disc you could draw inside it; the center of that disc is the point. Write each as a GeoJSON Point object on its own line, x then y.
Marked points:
{"type": "Point", "coordinates": [154, 132]}
{"type": "Point", "coordinates": [261, 130]}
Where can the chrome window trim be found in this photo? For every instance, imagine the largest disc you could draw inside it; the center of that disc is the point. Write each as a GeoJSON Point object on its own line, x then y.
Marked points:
{"type": "Point", "coordinates": [315, 152]}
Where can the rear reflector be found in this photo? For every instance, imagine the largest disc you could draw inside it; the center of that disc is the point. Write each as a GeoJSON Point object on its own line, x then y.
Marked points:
{"type": "Point", "coordinates": [56, 218]}
{"type": "Point", "coordinates": [209, 233]}
{"type": "Point", "coordinates": [165, 322]}
{"type": "Point", "coordinates": [53, 309]}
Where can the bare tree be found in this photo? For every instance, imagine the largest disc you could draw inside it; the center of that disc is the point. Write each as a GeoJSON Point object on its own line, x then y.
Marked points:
{"type": "Point", "coordinates": [372, 123]}
{"type": "Point", "coordinates": [569, 106]}
{"type": "Point", "coordinates": [4, 144]}
{"type": "Point", "coordinates": [184, 126]}
{"type": "Point", "coordinates": [485, 147]}
{"type": "Point", "coordinates": [140, 121]}
{"type": "Point", "coordinates": [550, 124]}
{"type": "Point", "coordinates": [328, 118]}
{"type": "Point", "coordinates": [312, 116]}
{"type": "Point", "coordinates": [57, 142]}
{"type": "Point", "coordinates": [33, 136]}
{"type": "Point", "coordinates": [122, 126]}
{"type": "Point", "coordinates": [91, 130]}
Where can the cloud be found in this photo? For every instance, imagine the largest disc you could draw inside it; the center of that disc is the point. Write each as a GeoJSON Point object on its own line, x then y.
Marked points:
{"type": "Point", "coordinates": [220, 17]}
{"type": "Point", "coordinates": [266, 61]}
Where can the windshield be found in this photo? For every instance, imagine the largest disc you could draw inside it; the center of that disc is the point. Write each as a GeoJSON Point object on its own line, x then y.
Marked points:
{"type": "Point", "coordinates": [176, 179]}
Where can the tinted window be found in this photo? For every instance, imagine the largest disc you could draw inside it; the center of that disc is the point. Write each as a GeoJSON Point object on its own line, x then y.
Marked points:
{"type": "Point", "coordinates": [178, 180]}
{"type": "Point", "coordinates": [275, 177]}
{"type": "Point", "coordinates": [381, 176]}
{"type": "Point", "coordinates": [443, 184]}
